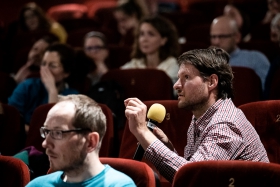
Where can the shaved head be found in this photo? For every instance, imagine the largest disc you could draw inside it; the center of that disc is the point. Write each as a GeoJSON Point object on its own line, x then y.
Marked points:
{"type": "Point", "coordinates": [224, 33]}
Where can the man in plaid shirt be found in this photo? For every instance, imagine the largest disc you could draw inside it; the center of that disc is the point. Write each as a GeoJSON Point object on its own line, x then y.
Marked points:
{"type": "Point", "coordinates": [218, 130]}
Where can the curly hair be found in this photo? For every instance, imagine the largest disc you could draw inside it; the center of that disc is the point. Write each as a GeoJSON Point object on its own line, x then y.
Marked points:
{"type": "Point", "coordinates": [212, 61]}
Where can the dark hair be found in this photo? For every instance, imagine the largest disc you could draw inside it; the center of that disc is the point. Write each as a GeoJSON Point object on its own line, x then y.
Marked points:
{"type": "Point", "coordinates": [96, 34]}
{"type": "Point", "coordinates": [44, 22]}
{"type": "Point", "coordinates": [212, 61]}
{"type": "Point", "coordinates": [50, 39]}
{"type": "Point", "coordinates": [165, 29]}
{"type": "Point", "coordinates": [88, 115]}
{"type": "Point", "coordinates": [66, 54]}
{"type": "Point", "coordinates": [130, 8]}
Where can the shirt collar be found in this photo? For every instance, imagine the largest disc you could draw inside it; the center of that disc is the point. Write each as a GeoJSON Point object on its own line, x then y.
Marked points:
{"type": "Point", "coordinates": [234, 53]}
{"type": "Point", "coordinates": [203, 121]}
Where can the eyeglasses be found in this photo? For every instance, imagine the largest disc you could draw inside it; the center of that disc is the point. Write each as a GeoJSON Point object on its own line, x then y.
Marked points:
{"type": "Point", "coordinates": [221, 36]}
{"type": "Point", "coordinates": [94, 48]}
{"type": "Point", "coordinates": [57, 134]}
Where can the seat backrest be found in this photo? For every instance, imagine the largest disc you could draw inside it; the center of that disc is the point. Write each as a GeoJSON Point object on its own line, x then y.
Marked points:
{"type": "Point", "coordinates": [7, 85]}
{"type": "Point", "coordinates": [146, 84]}
{"type": "Point", "coordinates": [140, 172]}
{"type": "Point", "coordinates": [14, 172]}
{"type": "Point", "coordinates": [227, 173]}
{"type": "Point", "coordinates": [175, 125]}
{"type": "Point", "coordinates": [11, 131]}
{"type": "Point", "coordinates": [67, 11]}
{"type": "Point", "coordinates": [265, 117]}
{"type": "Point", "coordinates": [247, 85]}
{"type": "Point", "coordinates": [39, 116]}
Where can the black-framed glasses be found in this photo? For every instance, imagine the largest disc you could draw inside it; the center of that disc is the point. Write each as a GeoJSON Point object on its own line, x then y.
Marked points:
{"type": "Point", "coordinates": [221, 36]}
{"type": "Point", "coordinates": [58, 134]}
{"type": "Point", "coordinates": [94, 48]}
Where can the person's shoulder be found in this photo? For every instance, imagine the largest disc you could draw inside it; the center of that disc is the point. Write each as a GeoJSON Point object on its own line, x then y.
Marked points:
{"type": "Point", "coordinates": [134, 63]}
{"type": "Point", "coordinates": [48, 180]}
{"type": "Point", "coordinates": [252, 53]}
{"type": "Point", "coordinates": [118, 178]}
{"type": "Point", "coordinates": [30, 82]}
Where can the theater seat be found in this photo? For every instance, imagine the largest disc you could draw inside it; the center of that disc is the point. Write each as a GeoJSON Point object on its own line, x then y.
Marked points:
{"type": "Point", "coordinates": [247, 86]}
{"type": "Point", "coordinates": [67, 11]}
{"type": "Point", "coordinates": [175, 125]}
{"type": "Point", "coordinates": [146, 84]}
{"type": "Point", "coordinates": [265, 117]}
{"type": "Point", "coordinates": [14, 172]}
{"type": "Point", "coordinates": [227, 173]}
{"type": "Point", "coordinates": [39, 116]}
{"type": "Point", "coordinates": [11, 131]}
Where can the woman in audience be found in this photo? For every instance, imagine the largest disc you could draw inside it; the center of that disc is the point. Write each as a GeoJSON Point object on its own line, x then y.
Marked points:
{"type": "Point", "coordinates": [242, 19]}
{"type": "Point", "coordinates": [34, 58]}
{"type": "Point", "coordinates": [56, 66]}
{"type": "Point", "coordinates": [33, 18]}
{"type": "Point", "coordinates": [155, 46]}
{"type": "Point", "coordinates": [95, 47]}
{"type": "Point", "coordinates": [273, 9]}
{"type": "Point", "coordinates": [128, 15]}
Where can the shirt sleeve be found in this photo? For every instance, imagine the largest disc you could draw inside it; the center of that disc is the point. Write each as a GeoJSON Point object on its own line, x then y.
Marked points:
{"type": "Point", "coordinates": [166, 161]}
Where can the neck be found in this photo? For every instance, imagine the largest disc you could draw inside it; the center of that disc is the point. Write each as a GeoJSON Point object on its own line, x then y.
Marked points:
{"type": "Point", "coordinates": [60, 86]}
{"type": "Point", "coordinates": [101, 69]}
{"type": "Point", "coordinates": [199, 110]}
{"type": "Point", "coordinates": [85, 172]}
{"type": "Point", "coordinates": [152, 61]}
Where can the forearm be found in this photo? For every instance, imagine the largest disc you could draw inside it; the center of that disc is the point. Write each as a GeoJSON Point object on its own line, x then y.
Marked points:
{"type": "Point", "coordinates": [145, 138]}
{"type": "Point", "coordinates": [166, 161]}
{"type": "Point", "coordinates": [53, 96]}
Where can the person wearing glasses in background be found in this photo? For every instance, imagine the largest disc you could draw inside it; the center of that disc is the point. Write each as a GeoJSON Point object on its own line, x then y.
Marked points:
{"type": "Point", "coordinates": [56, 66]}
{"type": "Point", "coordinates": [95, 47]}
{"type": "Point", "coordinates": [73, 132]}
{"type": "Point", "coordinates": [224, 33]}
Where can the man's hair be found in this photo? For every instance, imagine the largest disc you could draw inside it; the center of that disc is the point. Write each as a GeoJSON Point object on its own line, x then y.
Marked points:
{"type": "Point", "coordinates": [88, 115]}
{"type": "Point", "coordinates": [165, 29]}
{"type": "Point", "coordinates": [212, 61]}
{"type": "Point", "coordinates": [66, 54]}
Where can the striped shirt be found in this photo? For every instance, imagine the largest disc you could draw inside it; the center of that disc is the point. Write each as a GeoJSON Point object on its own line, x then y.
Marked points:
{"type": "Point", "coordinates": [221, 133]}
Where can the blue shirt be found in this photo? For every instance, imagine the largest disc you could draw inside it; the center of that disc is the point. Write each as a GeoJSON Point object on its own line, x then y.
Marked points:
{"type": "Point", "coordinates": [251, 59]}
{"type": "Point", "coordinates": [30, 94]}
{"type": "Point", "coordinates": [109, 177]}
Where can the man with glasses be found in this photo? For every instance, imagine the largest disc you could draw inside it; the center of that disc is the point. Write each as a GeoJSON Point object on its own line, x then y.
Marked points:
{"type": "Point", "coordinates": [73, 132]}
{"type": "Point", "coordinates": [224, 33]}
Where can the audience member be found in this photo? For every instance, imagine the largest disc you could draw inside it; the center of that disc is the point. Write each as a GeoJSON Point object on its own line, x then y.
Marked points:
{"type": "Point", "coordinates": [242, 20]}
{"type": "Point", "coordinates": [275, 63]}
{"type": "Point", "coordinates": [155, 46]}
{"type": "Point", "coordinates": [224, 33]}
{"type": "Point", "coordinates": [95, 47]}
{"type": "Point", "coordinates": [275, 29]}
{"type": "Point", "coordinates": [218, 130]}
{"type": "Point", "coordinates": [273, 8]}
{"type": "Point", "coordinates": [73, 133]}
{"type": "Point", "coordinates": [128, 15]}
{"type": "Point", "coordinates": [34, 59]}
{"type": "Point", "coordinates": [56, 66]}
{"type": "Point", "coordinates": [33, 18]}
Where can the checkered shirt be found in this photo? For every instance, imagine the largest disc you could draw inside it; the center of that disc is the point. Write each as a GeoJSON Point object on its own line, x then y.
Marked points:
{"type": "Point", "coordinates": [221, 133]}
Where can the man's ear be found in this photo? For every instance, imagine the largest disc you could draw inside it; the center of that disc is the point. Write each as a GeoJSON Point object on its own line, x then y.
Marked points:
{"type": "Point", "coordinates": [237, 37]}
{"type": "Point", "coordinates": [213, 82]}
{"type": "Point", "coordinates": [93, 141]}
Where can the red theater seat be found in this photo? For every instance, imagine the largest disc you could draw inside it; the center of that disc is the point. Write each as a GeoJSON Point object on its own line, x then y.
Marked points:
{"type": "Point", "coordinates": [14, 172]}
{"type": "Point", "coordinates": [265, 117]}
{"type": "Point", "coordinates": [146, 84]}
{"type": "Point", "coordinates": [67, 11]}
{"type": "Point", "coordinates": [11, 132]}
{"type": "Point", "coordinates": [227, 173]}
